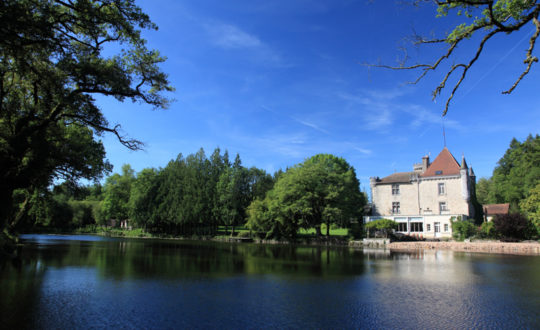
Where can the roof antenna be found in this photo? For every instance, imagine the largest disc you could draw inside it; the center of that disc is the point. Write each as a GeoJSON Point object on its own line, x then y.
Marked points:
{"type": "Point", "coordinates": [443, 132]}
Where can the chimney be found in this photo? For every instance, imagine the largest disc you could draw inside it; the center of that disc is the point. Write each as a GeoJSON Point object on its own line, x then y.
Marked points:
{"type": "Point", "coordinates": [425, 163]}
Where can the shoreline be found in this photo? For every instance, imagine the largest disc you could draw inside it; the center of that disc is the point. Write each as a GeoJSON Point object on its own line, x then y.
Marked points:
{"type": "Point", "coordinates": [489, 247]}
{"type": "Point", "coordinates": [493, 247]}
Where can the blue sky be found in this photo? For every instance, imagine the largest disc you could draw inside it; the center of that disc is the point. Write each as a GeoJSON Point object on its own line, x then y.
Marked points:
{"type": "Point", "coordinates": [280, 81]}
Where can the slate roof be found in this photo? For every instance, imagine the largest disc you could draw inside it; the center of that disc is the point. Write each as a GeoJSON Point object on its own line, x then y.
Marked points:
{"type": "Point", "coordinates": [400, 177]}
{"type": "Point", "coordinates": [492, 209]}
{"type": "Point", "coordinates": [444, 164]}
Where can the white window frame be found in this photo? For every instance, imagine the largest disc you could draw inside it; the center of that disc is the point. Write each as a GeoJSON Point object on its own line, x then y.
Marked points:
{"type": "Point", "coordinates": [443, 207]}
{"type": "Point", "coordinates": [396, 208]}
{"type": "Point", "coordinates": [443, 190]}
{"type": "Point", "coordinates": [395, 189]}
{"type": "Point", "coordinates": [428, 227]}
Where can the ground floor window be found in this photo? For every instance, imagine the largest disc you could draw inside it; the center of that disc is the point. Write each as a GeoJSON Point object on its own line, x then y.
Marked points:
{"type": "Point", "coordinates": [445, 227]}
{"type": "Point", "coordinates": [428, 227]}
{"type": "Point", "coordinates": [417, 227]}
{"type": "Point", "coordinates": [402, 226]}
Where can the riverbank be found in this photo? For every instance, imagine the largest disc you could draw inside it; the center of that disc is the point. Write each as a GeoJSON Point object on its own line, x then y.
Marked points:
{"type": "Point", "coordinates": [523, 248]}
{"type": "Point", "coordinates": [495, 247]}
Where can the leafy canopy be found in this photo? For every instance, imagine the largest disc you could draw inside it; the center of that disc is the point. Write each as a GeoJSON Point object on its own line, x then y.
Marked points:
{"type": "Point", "coordinates": [55, 57]}
{"type": "Point", "coordinates": [323, 189]}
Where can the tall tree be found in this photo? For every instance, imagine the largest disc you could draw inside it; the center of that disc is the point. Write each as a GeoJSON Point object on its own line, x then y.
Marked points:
{"type": "Point", "coordinates": [52, 64]}
{"type": "Point", "coordinates": [116, 195]}
{"type": "Point", "coordinates": [517, 172]}
{"type": "Point", "coordinates": [323, 189]}
{"type": "Point", "coordinates": [483, 18]}
{"type": "Point", "coordinates": [233, 194]}
{"type": "Point", "coordinates": [483, 186]}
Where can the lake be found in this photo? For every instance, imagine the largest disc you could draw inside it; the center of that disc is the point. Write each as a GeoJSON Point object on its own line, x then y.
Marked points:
{"type": "Point", "coordinates": [82, 282]}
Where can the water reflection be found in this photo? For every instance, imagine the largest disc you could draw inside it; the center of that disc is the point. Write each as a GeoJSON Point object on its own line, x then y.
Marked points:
{"type": "Point", "coordinates": [66, 282]}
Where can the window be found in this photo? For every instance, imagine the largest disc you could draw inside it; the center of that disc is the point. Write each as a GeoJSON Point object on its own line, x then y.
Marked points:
{"type": "Point", "coordinates": [445, 227]}
{"type": "Point", "coordinates": [417, 227]}
{"type": "Point", "coordinates": [395, 207]}
{"type": "Point", "coordinates": [395, 189]}
{"type": "Point", "coordinates": [402, 226]}
{"type": "Point", "coordinates": [442, 190]}
{"type": "Point", "coordinates": [428, 226]}
{"type": "Point", "coordinates": [442, 207]}
{"type": "Point", "coordinates": [438, 172]}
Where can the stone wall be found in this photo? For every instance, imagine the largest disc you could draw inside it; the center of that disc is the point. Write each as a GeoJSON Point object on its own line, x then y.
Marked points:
{"type": "Point", "coordinates": [482, 247]}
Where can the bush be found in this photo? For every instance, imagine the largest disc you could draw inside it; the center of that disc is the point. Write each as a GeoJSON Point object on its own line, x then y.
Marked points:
{"type": "Point", "coordinates": [463, 229]}
{"type": "Point", "coordinates": [487, 230]}
{"type": "Point", "coordinates": [384, 225]}
{"type": "Point", "coordinates": [513, 226]}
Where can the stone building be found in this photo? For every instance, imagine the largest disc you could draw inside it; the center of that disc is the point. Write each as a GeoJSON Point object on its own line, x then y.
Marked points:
{"type": "Point", "coordinates": [424, 201]}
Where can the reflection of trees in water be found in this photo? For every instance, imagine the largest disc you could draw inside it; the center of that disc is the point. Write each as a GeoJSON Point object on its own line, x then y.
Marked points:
{"type": "Point", "coordinates": [20, 284]}
{"type": "Point", "coordinates": [173, 259]}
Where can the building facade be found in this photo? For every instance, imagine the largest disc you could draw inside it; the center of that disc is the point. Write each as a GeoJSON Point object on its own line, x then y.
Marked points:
{"type": "Point", "coordinates": [424, 201]}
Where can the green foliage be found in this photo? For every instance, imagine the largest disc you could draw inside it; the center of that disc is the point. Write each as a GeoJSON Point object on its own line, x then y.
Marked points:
{"type": "Point", "coordinates": [483, 187]}
{"type": "Point", "coordinates": [531, 206]}
{"type": "Point", "coordinates": [487, 230]}
{"type": "Point", "coordinates": [54, 58]}
{"type": "Point", "coordinates": [116, 194]}
{"type": "Point", "coordinates": [382, 224]}
{"type": "Point", "coordinates": [513, 226]}
{"type": "Point", "coordinates": [385, 226]}
{"type": "Point", "coordinates": [323, 189]}
{"type": "Point", "coordinates": [462, 229]}
{"type": "Point", "coordinates": [517, 172]}
{"type": "Point", "coordinates": [483, 20]}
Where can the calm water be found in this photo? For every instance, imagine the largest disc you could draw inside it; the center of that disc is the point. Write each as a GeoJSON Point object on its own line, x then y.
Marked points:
{"type": "Point", "coordinates": [69, 282]}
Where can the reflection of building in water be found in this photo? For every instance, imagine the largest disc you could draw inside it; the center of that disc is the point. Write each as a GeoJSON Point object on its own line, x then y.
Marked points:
{"type": "Point", "coordinates": [424, 201]}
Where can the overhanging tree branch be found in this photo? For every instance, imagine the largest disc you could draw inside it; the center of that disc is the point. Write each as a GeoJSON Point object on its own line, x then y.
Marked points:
{"type": "Point", "coordinates": [495, 17]}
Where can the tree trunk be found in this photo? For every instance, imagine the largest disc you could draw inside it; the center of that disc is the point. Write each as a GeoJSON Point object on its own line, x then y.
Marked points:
{"type": "Point", "coordinates": [328, 228]}
{"type": "Point", "coordinates": [318, 230]}
{"type": "Point", "coordinates": [232, 231]}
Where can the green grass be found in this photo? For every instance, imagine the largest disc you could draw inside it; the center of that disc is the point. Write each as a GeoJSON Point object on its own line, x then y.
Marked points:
{"type": "Point", "coordinates": [333, 232]}
{"type": "Point", "coordinates": [238, 231]}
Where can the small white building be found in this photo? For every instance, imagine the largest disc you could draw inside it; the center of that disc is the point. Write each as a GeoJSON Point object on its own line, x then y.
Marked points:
{"type": "Point", "coordinates": [424, 201]}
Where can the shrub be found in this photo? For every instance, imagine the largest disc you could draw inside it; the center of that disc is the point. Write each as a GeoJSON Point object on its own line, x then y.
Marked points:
{"type": "Point", "coordinates": [463, 229]}
{"type": "Point", "coordinates": [513, 226]}
{"type": "Point", "coordinates": [383, 225]}
{"type": "Point", "coordinates": [487, 230]}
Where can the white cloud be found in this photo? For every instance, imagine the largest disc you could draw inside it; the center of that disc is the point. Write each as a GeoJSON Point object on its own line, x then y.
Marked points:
{"type": "Point", "coordinates": [230, 36]}
{"type": "Point", "coordinates": [300, 121]}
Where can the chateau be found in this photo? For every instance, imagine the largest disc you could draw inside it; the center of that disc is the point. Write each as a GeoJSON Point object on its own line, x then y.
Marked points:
{"type": "Point", "coordinates": [424, 202]}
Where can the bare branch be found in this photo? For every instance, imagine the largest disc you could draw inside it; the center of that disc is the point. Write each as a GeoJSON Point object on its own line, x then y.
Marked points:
{"type": "Point", "coordinates": [530, 59]}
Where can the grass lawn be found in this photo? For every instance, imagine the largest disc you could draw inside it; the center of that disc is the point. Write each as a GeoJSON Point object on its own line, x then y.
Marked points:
{"type": "Point", "coordinates": [333, 232]}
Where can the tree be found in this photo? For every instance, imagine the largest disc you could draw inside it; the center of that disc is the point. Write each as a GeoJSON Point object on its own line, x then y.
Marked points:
{"type": "Point", "coordinates": [143, 203]}
{"type": "Point", "coordinates": [52, 64]}
{"type": "Point", "coordinates": [482, 190]}
{"type": "Point", "coordinates": [531, 206]}
{"type": "Point", "coordinates": [485, 18]}
{"type": "Point", "coordinates": [323, 189]}
{"type": "Point", "coordinates": [116, 195]}
{"type": "Point", "coordinates": [517, 172]}
{"type": "Point", "coordinates": [512, 226]}
{"type": "Point", "coordinates": [233, 194]}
